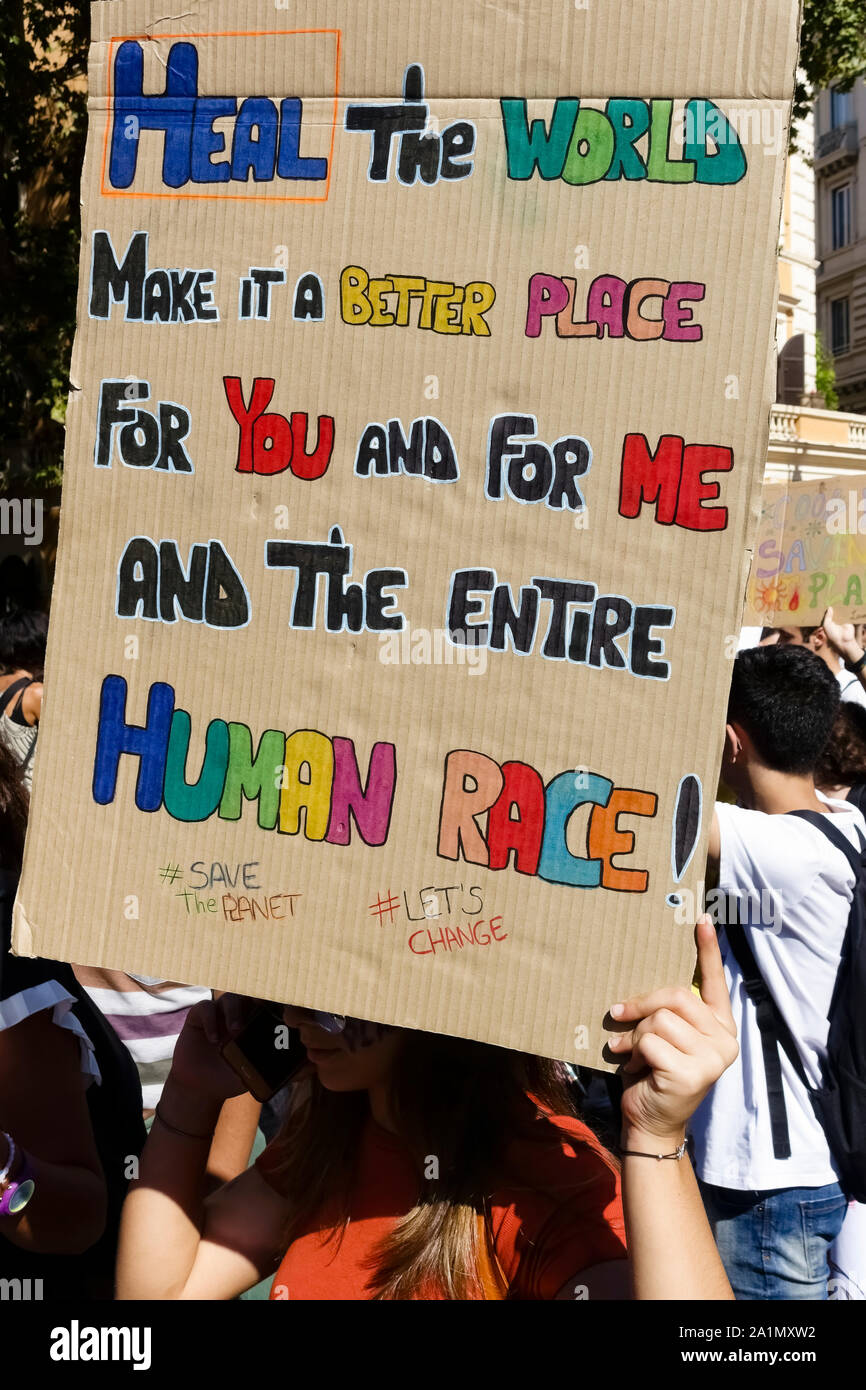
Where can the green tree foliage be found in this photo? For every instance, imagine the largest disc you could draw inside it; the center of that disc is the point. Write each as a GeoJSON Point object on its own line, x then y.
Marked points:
{"type": "Point", "coordinates": [832, 48]}
{"type": "Point", "coordinates": [825, 375]}
{"type": "Point", "coordinates": [43, 57]}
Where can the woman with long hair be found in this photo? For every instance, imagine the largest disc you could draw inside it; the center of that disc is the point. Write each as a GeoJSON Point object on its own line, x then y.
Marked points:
{"type": "Point", "coordinates": [413, 1165]}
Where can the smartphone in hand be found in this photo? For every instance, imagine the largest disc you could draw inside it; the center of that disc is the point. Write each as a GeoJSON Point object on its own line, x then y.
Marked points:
{"type": "Point", "coordinates": [266, 1053]}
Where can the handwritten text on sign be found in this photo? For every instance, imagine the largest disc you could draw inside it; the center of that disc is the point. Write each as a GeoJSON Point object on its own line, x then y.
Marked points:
{"type": "Point", "coordinates": [413, 456]}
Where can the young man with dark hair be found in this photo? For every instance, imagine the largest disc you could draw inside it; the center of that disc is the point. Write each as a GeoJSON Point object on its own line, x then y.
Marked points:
{"type": "Point", "coordinates": [775, 1217]}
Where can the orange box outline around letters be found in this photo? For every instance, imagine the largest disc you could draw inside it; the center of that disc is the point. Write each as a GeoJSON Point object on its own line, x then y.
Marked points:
{"type": "Point", "coordinates": [227, 34]}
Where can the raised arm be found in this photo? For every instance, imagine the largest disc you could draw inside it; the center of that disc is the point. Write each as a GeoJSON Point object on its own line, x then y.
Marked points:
{"type": "Point", "coordinates": [233, 1139]}
{"type": "Point", "coordinates": [675, 1046]}
{"type": "Point", "coordinates": [234, 1136]}
{"type": "Point", "coordinates": [842, 639]}
{"type": "Point", "coordinates": [176, 1243]}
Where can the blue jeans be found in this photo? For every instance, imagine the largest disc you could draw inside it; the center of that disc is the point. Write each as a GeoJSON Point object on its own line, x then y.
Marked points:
{"type": "Point", "coordinates": [774, 1245]}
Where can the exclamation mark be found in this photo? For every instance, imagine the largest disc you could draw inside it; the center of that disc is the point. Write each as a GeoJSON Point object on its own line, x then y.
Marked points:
{"type": "Point", "coordinates": [686, 827]}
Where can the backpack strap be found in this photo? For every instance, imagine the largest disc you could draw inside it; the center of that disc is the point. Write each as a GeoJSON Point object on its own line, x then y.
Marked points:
{"type": "Point", "coordinates": [858, 865]}
{"type": "Point", "coordinates": [834, 835]}
{"type": "Point", "coordinates": [8, 695]}
{"type": "Point", "coordinates": [774, 1031]}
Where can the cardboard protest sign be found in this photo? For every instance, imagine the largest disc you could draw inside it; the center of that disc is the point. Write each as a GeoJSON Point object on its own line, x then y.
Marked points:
{"type": "Point", "coordinates": [422, 387]}
{"type": "Point", "coordinates": [810, 553]}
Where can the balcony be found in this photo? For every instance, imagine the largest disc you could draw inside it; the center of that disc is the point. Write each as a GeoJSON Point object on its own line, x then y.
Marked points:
{"type": "Point", "coordinates": [836, 148]}
{"type": "Point", "coordinates": [818, 443]}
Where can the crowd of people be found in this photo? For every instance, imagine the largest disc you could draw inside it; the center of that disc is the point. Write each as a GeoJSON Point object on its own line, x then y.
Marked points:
{"type": "Point", "coordinates": [397, 1164]}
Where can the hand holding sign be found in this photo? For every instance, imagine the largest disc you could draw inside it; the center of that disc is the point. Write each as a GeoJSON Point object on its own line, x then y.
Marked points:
{"type": "Point", "coordinates": [679, 1046]}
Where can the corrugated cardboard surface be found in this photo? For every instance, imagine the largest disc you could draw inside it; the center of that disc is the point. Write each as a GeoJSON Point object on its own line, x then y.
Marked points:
{"type": "Point", "coordinates": [566, 953]}
{"type": "Point", "coordinates": [810, 553]}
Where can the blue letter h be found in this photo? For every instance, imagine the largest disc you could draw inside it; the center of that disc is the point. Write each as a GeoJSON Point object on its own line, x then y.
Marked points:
{"type": "Point", "coordinates": [172, 113]}
{"type": "Point", "coordinates": [149, 744]}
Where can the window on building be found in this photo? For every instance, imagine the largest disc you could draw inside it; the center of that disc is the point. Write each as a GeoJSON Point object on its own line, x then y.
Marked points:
{"type": "Point", "coordinates": [841, 205]}
{"type": "Point", "coordinates": [839, 331]}
{"type": "Point", "coordinates": [783, 329]}
{"type": "Point", "coordinates": [840, 108]}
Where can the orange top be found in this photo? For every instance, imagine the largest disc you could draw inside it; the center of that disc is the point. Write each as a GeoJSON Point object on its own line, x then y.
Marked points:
{"type": "Point", "coordinates": [556, 1212]}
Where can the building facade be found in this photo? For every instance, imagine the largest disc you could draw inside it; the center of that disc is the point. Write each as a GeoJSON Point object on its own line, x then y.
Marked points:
{"type": "Point", "coordinates": [807, 440]}
{"type": "Point", "coordinates": [795, 316]}
{"type": "Point", "coordinates": [840, 236]}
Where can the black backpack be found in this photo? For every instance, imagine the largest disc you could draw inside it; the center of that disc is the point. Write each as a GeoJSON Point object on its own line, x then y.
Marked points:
{"type": "Point", "coordinates": [840, 1101]}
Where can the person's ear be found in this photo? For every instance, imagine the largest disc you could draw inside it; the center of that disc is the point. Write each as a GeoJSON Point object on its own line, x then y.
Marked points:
{"type": "Point", "coordinates": [733, 743]}
{"type": "Point", "coordinates": [818, 639]}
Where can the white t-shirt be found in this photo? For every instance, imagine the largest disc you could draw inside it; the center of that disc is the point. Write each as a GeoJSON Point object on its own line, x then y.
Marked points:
{"type": "Point", "coordinates": [850, 687]}
{"type": "Point", "coordinates": [794, 891]}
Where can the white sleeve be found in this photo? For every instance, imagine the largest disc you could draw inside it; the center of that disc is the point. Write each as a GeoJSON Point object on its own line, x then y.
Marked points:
{"type": "Point", "coordinates": [767, 859]}
{"type": "Point", "coordinates": [51, 995]}
{"type": "Point", "coordinates": [854, 692]}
